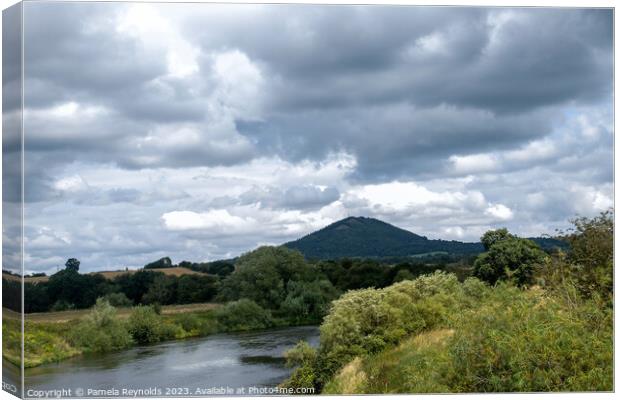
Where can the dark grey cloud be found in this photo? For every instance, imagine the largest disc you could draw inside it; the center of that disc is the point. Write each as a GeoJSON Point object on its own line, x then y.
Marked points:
{"type": "Point", "coordinates": [292, 113]}
{"type": "Point", "coordinates": [398, 87]}
{"type": "Point", "coordinates": [294, 197]}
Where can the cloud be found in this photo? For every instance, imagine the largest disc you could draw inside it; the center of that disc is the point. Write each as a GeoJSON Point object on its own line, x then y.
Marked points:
{"type": "Point", "coordinates": [500, 212]}
{"type": "Point", "coordinates": [293, 197]}
{"type": "Point", "coordinates": [220, 219]}
{"type": "Point", "coordinates": [178, 130]}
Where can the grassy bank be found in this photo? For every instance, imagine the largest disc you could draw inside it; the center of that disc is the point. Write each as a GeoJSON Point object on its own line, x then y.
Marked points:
{"type": "Point", "coordinates": [51, 337]}
{"type": "Point", "coordinates": [436, 335]}
{"type": "Point", "coordinates": [513, 341]}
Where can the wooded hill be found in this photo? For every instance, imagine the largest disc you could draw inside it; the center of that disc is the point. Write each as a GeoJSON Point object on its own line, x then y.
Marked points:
{"type": "Point", "coordinates": [362, 237]}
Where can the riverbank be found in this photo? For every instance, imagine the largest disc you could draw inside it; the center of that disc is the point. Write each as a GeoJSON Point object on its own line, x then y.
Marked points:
{"type": "Point", "coordinates": [236, 360]}
{"type": "Point", "coordinates": [55, 336]}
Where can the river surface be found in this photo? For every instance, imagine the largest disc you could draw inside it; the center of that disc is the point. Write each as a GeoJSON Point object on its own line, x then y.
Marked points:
{"type": "Point", "coordinates": [212, 365]}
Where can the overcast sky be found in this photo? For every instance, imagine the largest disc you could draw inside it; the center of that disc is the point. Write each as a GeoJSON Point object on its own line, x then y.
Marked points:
{"type": "Point", "coordinates": [201, 131]}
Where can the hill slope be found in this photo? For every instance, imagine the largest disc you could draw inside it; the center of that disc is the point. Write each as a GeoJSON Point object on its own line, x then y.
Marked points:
{"type": "Point", "coordinates": [369, 237]}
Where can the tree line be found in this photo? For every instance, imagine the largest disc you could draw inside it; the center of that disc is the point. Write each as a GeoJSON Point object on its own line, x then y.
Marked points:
{"type": "Point", "coordinates": [276, 278]}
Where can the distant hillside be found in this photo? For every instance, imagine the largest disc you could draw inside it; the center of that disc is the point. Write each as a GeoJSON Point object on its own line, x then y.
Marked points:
{"type": "Point", "coordinates": [372, 238]}
{"type": "Point", "coordinates": [369, 237]}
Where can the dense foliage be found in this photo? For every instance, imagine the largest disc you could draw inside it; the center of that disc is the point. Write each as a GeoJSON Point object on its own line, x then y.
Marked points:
{"type": "Point", "coordinates": [244, 315]}
{"type": "Point", "coordinates": [280, 280]}
{"type": "Point", "coordinates": [507, 258]}
{"type": "Point", "coordinates": [68, 289]}
{"type": "Point", "coordinates": [544, 327]}
{"type": "Point", "coordinates": [101, 330]}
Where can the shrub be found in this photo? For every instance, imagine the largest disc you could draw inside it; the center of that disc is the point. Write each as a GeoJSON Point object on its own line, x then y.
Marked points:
{"type": "Point", "coordinates": [303, 357]}
{"type": "Point", "coordinates": [117, 300]}
{"type": "Point", "coordinates": [366, 321]}
{"type": "Point", "coordinates": [145, 325]}
{"type": "Point", "coordinates": [526, 341]}
{"type": "Point", "coordinates": [101, 331]}
{"type": "Point", "coordinates": [243, 315]}
{"type": "Point", "coordinates": [506, 340]}
{"type": "Point", "coordinates": [62, 305]}
{"type": "Point", "coordinates": [189, 322]}
{"type": "Point", "coordinates": [307, 302]}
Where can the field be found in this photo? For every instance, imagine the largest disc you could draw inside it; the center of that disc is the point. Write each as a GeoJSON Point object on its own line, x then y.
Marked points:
{"type": "Point", "coordinates": [173, 271]}
{"type": "Point", "coordinates": [123, 312]}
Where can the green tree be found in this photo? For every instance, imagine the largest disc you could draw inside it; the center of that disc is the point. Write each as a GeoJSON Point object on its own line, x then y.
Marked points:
{"type": "Point", "coordinates": [101, 330]}
{"type": "Point", "coordinates": [81, 291]}
{"type": "Point", "coordinates": [308, 302]}
{"type": "Point", "coordinates": [196, 288]}
{"type": "Point", "coordinates": [510, 258]}
{"type": "Point", "coordinates": [263, 275]}
{"type": "Point", "coordinates": [117, 300]}
{"type": "Point", "coordinates": [587, 267]}
{"type": "Point", "coordinates": [136, 285]}
{"type": "Point", "coordinates": [164, 262]}
{"type": "Point", "coordinates": [243, 315]}
{"type": "Point", "coordinates": [73, 264]}
{"type": "Point", "coordinates": [146, 326]}
{"type": "Point", "coordinates": [495, 236]}
{"type": "Point", "coordinates": [163, 290]}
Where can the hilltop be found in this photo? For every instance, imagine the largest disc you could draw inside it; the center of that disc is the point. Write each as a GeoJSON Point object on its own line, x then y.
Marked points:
{"type": "Point", "coordinates": [370, 237]}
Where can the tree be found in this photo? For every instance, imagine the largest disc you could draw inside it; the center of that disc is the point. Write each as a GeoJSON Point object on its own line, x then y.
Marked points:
{"type": "Point", "coordinates": [163, 291]}
{"type": "Point", "coordinates": [196, 288]}
{"type": "Point", "coordinates": [495, 236]}
{"type": "Point", "coordinates": [136, 285]}
{"type": "Point", "coordinates": [308, 302]}
{"type": "Point", "coordinates": [164, 262]}
{"type": "Point", "coordinates": [243, 315]}
{"type": "Point", "coordinates": [101, 330]}
{"type": "Point", "coordinates": [588, 265]}
{"type": "Point", "coordinates": [262, 276]}
{"type": "Point", "coordinates": [68, 287]}
{"type": "Point", "coordinates": [73, 264]}
{"type": "Point", "coordinates": [508, 258]}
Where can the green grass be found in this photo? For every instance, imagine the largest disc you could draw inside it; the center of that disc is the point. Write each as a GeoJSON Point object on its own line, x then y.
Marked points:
{"type": "Point", "coordinates": [512, 340]}
{"type": "Point", "coordinates": [43, 342]}
{"type": "Point", "coordinates": [54, 337]}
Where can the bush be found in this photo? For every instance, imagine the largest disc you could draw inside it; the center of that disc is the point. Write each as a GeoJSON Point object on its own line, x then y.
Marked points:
{"type": "Point", "coordinates": [101, 331]}
{"type": "Point", "coordinates": [525, 341]}
{"type": "Point", "coordinates": [589, 263]}
{"type": "Point", "coordinates": [303, 357]}
{"type": "Point", "coordinates": [117, 300]}
{"type": "Point", "coordinates": [189, 322]}
{"type": "Point", "coordinates": [366, 321]}
{"type": "Point", "coordinates": [506, 340]}
{"type": "Point", "coordinates": [62, 305]}
{"type": "Point", "coordinates": [243, 315]}
{"type": "Point", "coordinates": [146, 326]}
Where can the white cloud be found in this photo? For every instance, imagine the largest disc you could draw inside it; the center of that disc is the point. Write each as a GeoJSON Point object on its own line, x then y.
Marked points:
{"type": "Point", "coordinates": [213, 219]}
{"type": "Point", "coordinates": [500, 212]}
{"type": "Point", "coordinates": [72, 183]}
{"type": "Point", "coordinates": [240, 84]}
{"type": "Point", "coordinates": [157, 33]}
{"type": "Point", "coordinates": [473, 163]}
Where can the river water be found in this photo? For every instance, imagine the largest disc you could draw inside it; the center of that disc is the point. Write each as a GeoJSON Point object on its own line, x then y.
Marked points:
{"type": "Point", "coordinates": [213, 365]}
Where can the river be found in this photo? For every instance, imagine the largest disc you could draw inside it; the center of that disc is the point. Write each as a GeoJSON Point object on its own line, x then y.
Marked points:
{"type": "Point", "coordinates": [210, 365]}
